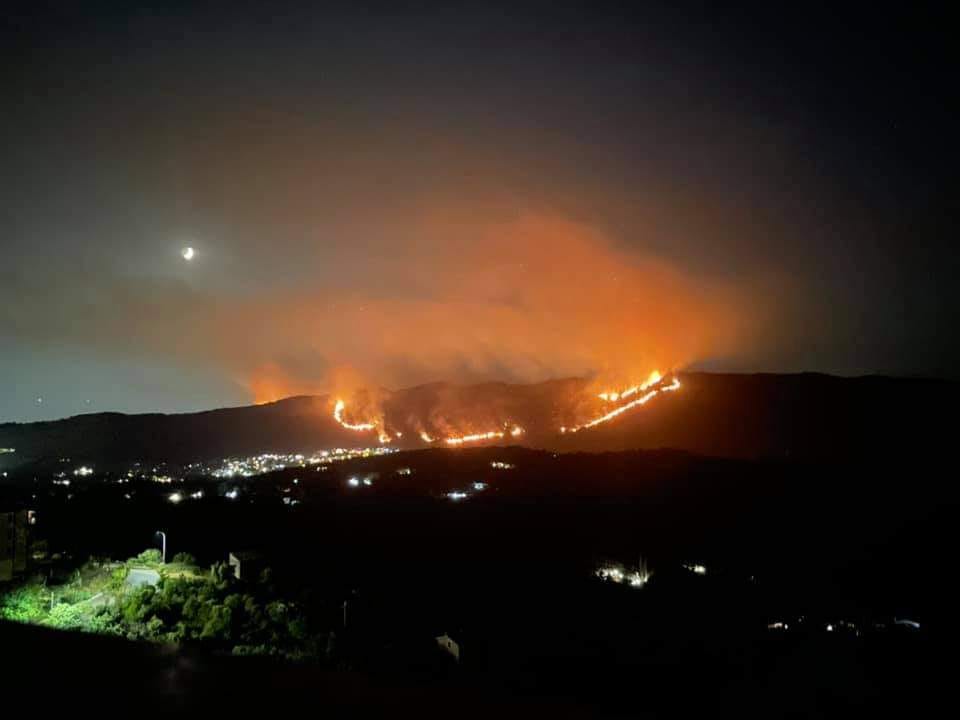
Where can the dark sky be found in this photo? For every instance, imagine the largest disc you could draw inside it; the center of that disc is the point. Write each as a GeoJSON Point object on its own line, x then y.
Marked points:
{"type": "Point", "coordinates": [407, 192]}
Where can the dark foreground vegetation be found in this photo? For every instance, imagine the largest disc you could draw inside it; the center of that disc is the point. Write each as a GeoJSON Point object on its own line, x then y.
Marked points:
{"type": "Point", "coordinates": [777, 589]}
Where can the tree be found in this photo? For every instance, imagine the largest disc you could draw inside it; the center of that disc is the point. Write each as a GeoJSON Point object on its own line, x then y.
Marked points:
{"type": "Point", "coordinates": [221, 573]}
{"type": "Point", "coordinates": [217, 626]}
{"type": "Point", "coordinates": [184, 558]}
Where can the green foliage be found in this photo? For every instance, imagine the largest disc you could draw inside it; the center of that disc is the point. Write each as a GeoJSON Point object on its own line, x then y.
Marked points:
{"type": "Point", "coordinates": [24, 604]}
{"type": "Point", "coordinates": [66, 617]}
{"type": "Point", "coordinates": [73, 595]}
{"type": "Point", "coordinates": [154, 627]}
{"type": "Point", "coordinates": [105, 621]}
{"type": "Point", "coordinates": [217, 626]}
{"type": "Point", "coordinates": [221, 573]}
{"type": "Point", "coordinates": [215, 610]}
{"type": "Point", "coordinates": [184, 558]}
{"type": "Point", "coordinates": [118, 578]}
{"type": "Point", "coordinates": [137, 605]}
{"type": "Point", "coordinates": [150, 557]}
{"type": "Point", "coordinates": [251, 650]}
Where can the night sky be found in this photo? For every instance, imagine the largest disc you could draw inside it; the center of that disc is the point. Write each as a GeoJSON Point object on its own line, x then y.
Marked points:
{"type": "Point", "coordinates": [447, 192]}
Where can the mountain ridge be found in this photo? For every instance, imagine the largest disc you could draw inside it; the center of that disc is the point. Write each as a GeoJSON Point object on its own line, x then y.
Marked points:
{"type": "Point", "coordinates": [721, 414]}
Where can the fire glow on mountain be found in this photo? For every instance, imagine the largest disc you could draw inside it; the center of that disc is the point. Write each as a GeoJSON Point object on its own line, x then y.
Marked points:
{"type": "Point", "coordinates": [653, 386]}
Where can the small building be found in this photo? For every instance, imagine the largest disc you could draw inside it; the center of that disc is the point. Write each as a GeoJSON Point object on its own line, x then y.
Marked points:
{"type": "Point", "coordinates": [246, 565]}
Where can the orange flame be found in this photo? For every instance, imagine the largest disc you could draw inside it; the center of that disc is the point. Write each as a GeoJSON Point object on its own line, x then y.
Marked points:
{"type": "Point", "coordinates": [642, 400]}
{"type": "Point", "coordinates": [358, 427]}
{"type": "Point", "coordinates": [515, 431]}
{"type": "Point", "coordinates": [652, 380]}
{"type": "Point", "coordinates": [650, 385]}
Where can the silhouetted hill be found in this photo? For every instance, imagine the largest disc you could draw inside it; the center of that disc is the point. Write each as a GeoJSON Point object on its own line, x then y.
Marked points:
{"type": "Point", "coordinates": [744, 416]}
{"type": "Point", "coordinates": [804, 416]}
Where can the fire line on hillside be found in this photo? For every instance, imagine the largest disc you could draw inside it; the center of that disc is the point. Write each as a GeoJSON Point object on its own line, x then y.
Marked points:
{"type": "Point", "coordinates": [655, 385]}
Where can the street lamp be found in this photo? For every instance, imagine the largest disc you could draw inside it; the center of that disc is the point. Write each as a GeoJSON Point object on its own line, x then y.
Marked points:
{"type": "Point", "coordinates": [163, 551]}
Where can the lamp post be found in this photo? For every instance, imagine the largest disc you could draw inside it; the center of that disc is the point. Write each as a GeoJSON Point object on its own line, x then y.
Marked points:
{"type": "Point", "coordinates": [163, 546]}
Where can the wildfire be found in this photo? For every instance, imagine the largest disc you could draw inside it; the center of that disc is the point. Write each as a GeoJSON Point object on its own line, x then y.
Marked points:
{"type": "Point", "coordinates": [652, 380]}
{"type": "Point", "coordinates": [515, 431]}
{"type": "Point", "coordinates": [476, 437]}
{"type": "Point", "coordinates": [642, 400]}
{"type": "Point", "coordinates": [650, 388]}
{"type": "Point", "coordinates": [358, 427]}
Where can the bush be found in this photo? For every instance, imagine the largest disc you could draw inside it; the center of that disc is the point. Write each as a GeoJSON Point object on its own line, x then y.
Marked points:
{"type": "Point", "coordinates": [217, 626]}
{"type": "Point", "coordinates": [73, 595]}
{"type": "Point", "coordinates": [105, 622]}
{"type": "Point", "coordinates": [184, 558]}
{"type": "Point", "coordinates": [154, 628]}
{"type": "Point", "coordinates": [118, 578]}
{"type": "Point", "coordinates": [24, 605]}
{"type": "Point", "coordinates": [66, 617]}
{"type": "Point", "coordinates": [151, 556]}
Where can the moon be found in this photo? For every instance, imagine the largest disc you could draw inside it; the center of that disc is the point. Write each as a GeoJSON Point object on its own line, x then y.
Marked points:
{"type": "Point", "coordinates": [188, 253]}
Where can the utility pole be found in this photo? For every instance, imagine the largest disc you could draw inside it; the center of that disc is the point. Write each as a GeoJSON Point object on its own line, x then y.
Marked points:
{"type": "Point", "coordinates": [163, 551]}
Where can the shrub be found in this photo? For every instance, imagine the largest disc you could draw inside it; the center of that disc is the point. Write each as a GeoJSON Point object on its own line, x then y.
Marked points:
{"type": "Point", "coordinates": [184, 558]}
{"type": "Point", "coordinates": [24, 605]}
{"type": "Point", "coordinates": [151, 556]}
{"type": "Point", "coordinates": [118, 577]}
{"type": "Point", "coordinates": [66, 617]}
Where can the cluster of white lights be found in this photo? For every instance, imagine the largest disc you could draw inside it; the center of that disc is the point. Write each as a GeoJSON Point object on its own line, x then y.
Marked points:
{"type": "Point", "coordinates": [178, 497]}
{"type": "Point", "coordinates": [636, 578]}
{"type": "Point", "coordinates": [271, 462]}
{"type": "Point", "coordinates": [83, 471]}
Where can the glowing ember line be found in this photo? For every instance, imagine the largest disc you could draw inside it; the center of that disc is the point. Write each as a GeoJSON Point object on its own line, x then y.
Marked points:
{"type": "Point", "coordinates": [358, 427]}
{"type": "Point", "coordinates": [652, 380]}
{"type": "Point", "coordinates": [675, 385]}
{"type": "Point", "coordinates": [474, 438]}
{"type": "Point", "coordinates": [642, 400]}
{"type": "Point", "coordinates": [426, 438]}
{"type": "Point", "coordinates": [515, 431]}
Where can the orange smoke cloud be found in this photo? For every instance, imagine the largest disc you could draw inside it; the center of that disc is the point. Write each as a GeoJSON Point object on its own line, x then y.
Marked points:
{"type": "Point", "coordinates": [524, 300]}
